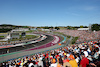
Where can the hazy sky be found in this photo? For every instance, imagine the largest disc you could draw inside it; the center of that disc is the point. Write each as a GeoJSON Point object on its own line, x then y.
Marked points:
{"type": "Point", "coordinates": [50, 12]}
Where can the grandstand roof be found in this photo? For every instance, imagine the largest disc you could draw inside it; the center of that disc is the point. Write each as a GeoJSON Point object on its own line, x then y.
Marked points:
{"type": "Point", "coordinates": [83, 29]}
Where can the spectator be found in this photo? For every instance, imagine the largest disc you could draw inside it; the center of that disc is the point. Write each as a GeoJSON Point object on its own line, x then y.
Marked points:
{"type": "Point", "coordinates": [82, 55]}
{"type": "Point", "coordinates": [84, 62]}
{"type": "Point", "coordinates": [53, 64]}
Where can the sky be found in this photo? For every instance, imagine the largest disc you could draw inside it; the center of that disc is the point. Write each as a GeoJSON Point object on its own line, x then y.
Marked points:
{"type": "Point", "coordinates": [50, 12]}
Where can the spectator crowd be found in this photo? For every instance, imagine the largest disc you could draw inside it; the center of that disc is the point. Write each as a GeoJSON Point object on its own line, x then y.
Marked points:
{"type": "Point", "coordinates": [82, 34]}
{"type": "Point", "coordinates": [86, 54]}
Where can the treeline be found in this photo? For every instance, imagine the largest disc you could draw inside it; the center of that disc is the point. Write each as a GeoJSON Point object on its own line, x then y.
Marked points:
{"type": "Point", "coordinates": [4, 30]}
{"type": "Point", "coordinates": [47, 27]}
{"type": "Point", "coordinates": [64, 27]}
{"type": "Point", "coordinates": [75, 27]}
{"type": "Point", "coordinates": [93, 27]}
{"type": "Point", "coordinates": [8, 27]}
{"type": "Point", "coordinates": [74, 40]}
{"type": "Point", "coordinates": [12, 26]}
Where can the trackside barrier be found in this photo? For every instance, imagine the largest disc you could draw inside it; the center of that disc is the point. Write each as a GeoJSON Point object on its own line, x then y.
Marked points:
{"type": "Point", "coordinates": [62, 40]}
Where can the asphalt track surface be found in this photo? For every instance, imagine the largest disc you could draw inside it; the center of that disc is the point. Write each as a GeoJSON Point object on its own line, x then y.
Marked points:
{"type": "Point", "coordinates": [19, 48]}
{"type": "Point", "coordinates": [23, 53]}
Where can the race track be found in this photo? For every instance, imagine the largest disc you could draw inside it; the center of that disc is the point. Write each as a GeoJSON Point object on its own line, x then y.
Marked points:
{"type": "Point", "coordinates": [24, 52]}
{"type": "Point", "coordinates": [18, 48]}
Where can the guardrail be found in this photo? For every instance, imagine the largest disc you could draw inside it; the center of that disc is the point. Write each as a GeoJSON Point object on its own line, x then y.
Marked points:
{"type": "Point", "coordinates": [63, 39]}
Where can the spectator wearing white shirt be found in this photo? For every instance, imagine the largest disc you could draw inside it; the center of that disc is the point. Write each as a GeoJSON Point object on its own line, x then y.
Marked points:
{"type": "Point", "coordinates": [53, 64]}
{"type": "Point", "coordinates": [85, 52]}
{"type": "Point", "coordinates": [30, 64]}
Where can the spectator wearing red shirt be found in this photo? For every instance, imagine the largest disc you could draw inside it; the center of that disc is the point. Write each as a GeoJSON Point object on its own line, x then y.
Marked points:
{"type": "Point", "coordinates": [84, 62]}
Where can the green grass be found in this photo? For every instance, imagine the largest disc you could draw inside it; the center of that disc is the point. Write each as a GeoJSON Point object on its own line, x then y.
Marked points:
{"type": "Point", "coordinates": [68, 37]}
{"type": "Point", "coordinates": [63, 35]}
{"type": "Point", "coordinates": [30, 31]}
{"type": "Point", "coordinates": [27, 37]}
{"type": "Point", "coordinates": [2, 36]}
{"type": "Point", "coordinates": [74, 40]}
{"type": "Point", "coordinates": [3, 41]}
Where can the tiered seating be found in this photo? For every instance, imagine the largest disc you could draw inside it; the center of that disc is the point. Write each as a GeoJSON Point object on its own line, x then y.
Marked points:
{"type": "Point", "coordinates": [84, 54]}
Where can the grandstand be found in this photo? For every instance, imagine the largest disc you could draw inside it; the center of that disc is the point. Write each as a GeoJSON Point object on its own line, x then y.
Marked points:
{"type": "Point", "coordinates": [64, 56]}
{"type": "Point", "coordinates": [53, 49]}
{"type": "Point", "coordinates": [83, 35]}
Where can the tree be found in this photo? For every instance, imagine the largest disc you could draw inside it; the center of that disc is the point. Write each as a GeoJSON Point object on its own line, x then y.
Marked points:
{"type": "Point", "coordinates": [25, 27]}
{"type": "Point", "coordinates": [46, 27]}
{"type": "Point", "coordinates": [69, 27]}
{"type": "Point", "coordinates": [85, 27]}
{"type": "Point", "coordinates": [57, 28]}
{"type": "Point", "coordinates": [95, 27]}
{"type": "Point", "coordinates": [51, 27]}
{"type": "Point", "coordinates": [4, 30]}
{"type": "Point", "coordinates": [81, 26]}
